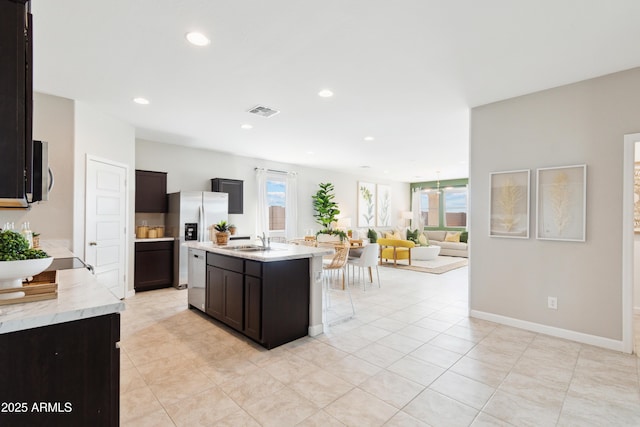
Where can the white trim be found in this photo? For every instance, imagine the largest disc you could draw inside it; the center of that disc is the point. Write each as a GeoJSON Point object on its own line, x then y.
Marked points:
{"type": "Point", "coordinates": [130, 293]}
{"type": "Point", "coordinates": [636, 310]}
{"type": "Point", "coordinates": [552, 331]}
{"type": "Point", "coordinates": [316, 330]}
{"type": "Point", "coordinates": [627, 240]}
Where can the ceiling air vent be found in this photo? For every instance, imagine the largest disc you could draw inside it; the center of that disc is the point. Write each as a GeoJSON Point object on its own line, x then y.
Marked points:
{"type": "Point", "coordinates": [263, 111]}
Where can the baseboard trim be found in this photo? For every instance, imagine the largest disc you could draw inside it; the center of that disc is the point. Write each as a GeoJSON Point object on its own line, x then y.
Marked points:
{"type": "Point", "coordinates": [315, 330]}
{"type": "Point", "coordinates": [130, 293]}
{"type": "Point", "coordinates": [551, 330]}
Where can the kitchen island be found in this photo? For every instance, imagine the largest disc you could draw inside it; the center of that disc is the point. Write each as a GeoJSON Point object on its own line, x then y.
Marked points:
{"type": "Point", "coordinates": [59, 358]}
{"type": "Point", "coordinates": [272, 296]}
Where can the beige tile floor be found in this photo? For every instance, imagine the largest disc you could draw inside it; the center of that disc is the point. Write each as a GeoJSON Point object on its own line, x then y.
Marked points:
{"type": "Point", "coordinates": [410, 357]}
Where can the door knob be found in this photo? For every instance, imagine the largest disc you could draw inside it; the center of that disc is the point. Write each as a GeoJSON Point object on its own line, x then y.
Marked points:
{"type": "Point", "coordinates": [93, 244]}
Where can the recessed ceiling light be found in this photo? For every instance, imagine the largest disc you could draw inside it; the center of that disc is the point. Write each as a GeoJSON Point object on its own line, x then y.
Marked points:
{"type": "Point", "coordinates": [369, 138]}
{"type": "Point", "coordinates": [246, 126]}
{"type": "Point", "coordinates": [325, 93]}
{"type": "Point", "coordinates": [141, 101]}
{"type": "Point", "coordinates": [310, 153]}
{"type": "Point", "coordinates": [365, 167]}
{"type": "Point", "coordinates": [197, 39]}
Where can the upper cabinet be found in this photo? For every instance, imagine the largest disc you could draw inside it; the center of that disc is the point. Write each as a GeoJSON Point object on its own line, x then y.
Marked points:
{"type": "Point", "coordinates": [233, 187]}
{"type": "Point", "coordinates": [151, 191]}
{"type": "Point", "coordinates": [15, 100]}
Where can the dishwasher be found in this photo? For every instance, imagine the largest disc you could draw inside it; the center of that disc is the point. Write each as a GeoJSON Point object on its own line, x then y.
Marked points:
{"type": "Point", "coordinates": [197, 281]}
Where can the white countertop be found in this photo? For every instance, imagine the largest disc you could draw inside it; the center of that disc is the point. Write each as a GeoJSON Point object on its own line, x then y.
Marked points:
{"type": "Point", "coordinates": [80, 296]}
{"type": "Point", "coordinates": [156, 239]}
{"type": "Point", "coordinates": [278, 252]}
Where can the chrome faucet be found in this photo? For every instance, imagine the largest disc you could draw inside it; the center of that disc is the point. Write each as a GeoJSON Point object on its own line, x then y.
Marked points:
{"type": "Point", "coordinates": [266, 241]}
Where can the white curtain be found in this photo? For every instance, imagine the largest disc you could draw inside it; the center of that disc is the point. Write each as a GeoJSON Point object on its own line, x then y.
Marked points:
{"type": "Point", "coordinates": [416, 221]}
{"type": "Point", "coordinates": [291, 208]}
{"type": "Point", "coordinates": [262, 217]}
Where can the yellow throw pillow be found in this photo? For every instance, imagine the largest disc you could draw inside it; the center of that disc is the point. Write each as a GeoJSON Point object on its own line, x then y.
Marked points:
{"type": "Point", "coordinates": [452, 237]}
{"type": "Point", "coordinates": [393, 235]}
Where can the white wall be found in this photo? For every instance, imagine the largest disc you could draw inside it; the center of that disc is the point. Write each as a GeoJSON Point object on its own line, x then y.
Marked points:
{"type": "Point", "coordinates": [510, 279]}
{"type": "Point", "coordinates": [103, 136]}
{"type": "Point", "coordinates": [636, 255]}
{"type": "Point", "coordinates": [52, 122]}
{"type": "Point", "coordinates": [192, 169]}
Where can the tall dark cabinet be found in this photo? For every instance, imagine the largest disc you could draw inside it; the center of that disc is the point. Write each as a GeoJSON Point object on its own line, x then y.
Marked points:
{"type": "Point", "coordinates": [233, 187]}
{"type": "Point", "coordinates": [151, 192]}
{"type": "Point", "coordinates": [15, 96]}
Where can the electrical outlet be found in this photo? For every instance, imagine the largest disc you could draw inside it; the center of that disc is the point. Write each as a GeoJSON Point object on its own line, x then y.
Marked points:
{"type": "Point", "coordinates": [552, 303]}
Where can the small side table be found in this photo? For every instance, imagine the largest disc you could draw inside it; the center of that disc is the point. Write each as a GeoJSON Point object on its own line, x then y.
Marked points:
{"type": "Point", "coordinates": [425, 253]}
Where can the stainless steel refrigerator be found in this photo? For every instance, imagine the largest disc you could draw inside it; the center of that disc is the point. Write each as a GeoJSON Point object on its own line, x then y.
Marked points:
{"type": "Point", "coordinates": [191, 216]}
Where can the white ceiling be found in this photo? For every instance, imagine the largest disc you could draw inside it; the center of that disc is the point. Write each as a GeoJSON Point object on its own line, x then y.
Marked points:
{"type": "Point", "coordinates": [405, 72]}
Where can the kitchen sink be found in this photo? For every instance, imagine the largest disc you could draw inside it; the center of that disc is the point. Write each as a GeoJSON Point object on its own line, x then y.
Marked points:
{"type": "Point", "coordinates": [251, 248]}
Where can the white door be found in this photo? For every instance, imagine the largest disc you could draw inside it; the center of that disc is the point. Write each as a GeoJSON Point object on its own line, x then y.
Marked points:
{"type": "Point", "coordinates": [105, 216]}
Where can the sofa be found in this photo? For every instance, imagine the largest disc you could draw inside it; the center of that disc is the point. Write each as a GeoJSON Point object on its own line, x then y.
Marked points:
{"type": "Point", "coordinates": [434, 237]}
{"type": "Point", "coordinates": [439, 238]}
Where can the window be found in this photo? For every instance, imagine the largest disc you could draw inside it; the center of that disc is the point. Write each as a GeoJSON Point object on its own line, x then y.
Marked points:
{"type": "Point", "coordinates": [430, 208]}
{"type": "Point", "coordinates": [277, 202]}
{"type": "Point", "coordinates": [455, 207]}
{"type": "Point", "coordinates": [276, 210]}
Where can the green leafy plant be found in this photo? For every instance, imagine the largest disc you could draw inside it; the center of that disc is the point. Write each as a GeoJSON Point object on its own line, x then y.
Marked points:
{"type": "Point", "coordinates": [222, 226]}
{"type": "Point", "coordinates": [326, 209]}
{"type": "Point", "coordinates": [331, 232]}
{"type": "Point", "coordinates": [14, 247]}
{"type": "Point", "coordinates": [372, 235]}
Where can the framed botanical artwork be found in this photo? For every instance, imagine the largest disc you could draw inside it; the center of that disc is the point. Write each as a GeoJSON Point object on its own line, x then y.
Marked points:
{"type": "Point", "coordinates": [509, 204]}
{"type": "Point", "coordinates": [383, 205]}
{"type": "Point", "coordinates": [636, 198]}
{"type": "Point", "coordinates": [366, 204]}
{"type": "Point", "coordinates": [562, 203]}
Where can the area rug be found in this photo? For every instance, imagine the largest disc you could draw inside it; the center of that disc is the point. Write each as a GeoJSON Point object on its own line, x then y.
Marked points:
{"type": "Point", "coordinates": [440, 265]}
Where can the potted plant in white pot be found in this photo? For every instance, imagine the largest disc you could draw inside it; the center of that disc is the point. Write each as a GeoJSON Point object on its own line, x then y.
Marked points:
{"type": "Point", "coordinates": [326, 213]}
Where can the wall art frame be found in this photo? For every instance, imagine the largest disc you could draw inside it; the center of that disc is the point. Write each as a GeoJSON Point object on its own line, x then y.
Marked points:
{"type": "Point", "coordinates": [509, 204]}
{"type": "Point", "coordinates": [561, 203]}
{"type": "Point", "coordinates": [383, 205]}
{"type": "Point", "coordinates": [366, 204]}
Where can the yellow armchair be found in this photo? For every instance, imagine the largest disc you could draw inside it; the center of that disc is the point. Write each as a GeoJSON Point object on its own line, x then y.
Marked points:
{"type": "Point", "coordinates": [395, 249]}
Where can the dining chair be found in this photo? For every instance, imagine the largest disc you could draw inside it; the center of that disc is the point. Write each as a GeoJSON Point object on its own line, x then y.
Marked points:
{"type": "Point", "coordinates": [368, 259]}
{"type": "Point", "coordinates": [332, 268]}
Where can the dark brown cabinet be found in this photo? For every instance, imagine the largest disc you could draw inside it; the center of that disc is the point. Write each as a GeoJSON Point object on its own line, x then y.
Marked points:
{"type": "Point", "coordinates": [253, 307]}
{"type": "Point", "coordinates": [266, 301]}
{"type": "Point", "coordinates": [72, 369]}
{"type": "Point", "coordinates": [224, 296]}
{"type": "Point", "coordinates": [153, 265]}
{"type": "Point", "coordinates": [15, 98]}
{"type": "Point", "coordinates": [151, 192]}
{"type": "Point", "coordinates": [233, 187]}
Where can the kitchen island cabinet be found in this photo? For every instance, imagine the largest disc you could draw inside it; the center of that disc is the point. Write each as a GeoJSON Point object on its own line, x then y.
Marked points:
{"type": "Point", "coordinates": [272, 296]}
{"type": "Point", "coordinates": [266, 301]}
